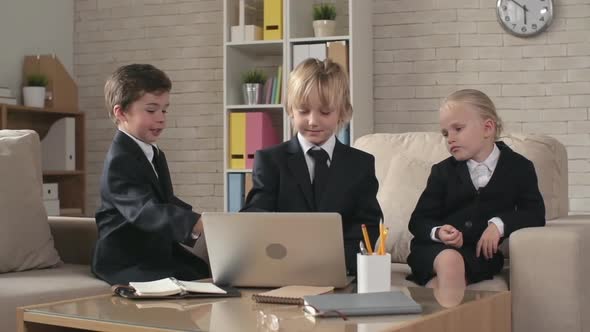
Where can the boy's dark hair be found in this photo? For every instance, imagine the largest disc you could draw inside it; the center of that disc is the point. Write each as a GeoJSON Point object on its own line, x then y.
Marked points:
{"type": "Point", "coordinates": [129, 83]}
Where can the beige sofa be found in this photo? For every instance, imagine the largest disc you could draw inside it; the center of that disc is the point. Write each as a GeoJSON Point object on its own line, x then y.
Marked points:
{"type": "Point", "coordinates": [546, 271]}
{"type": "Point", "coordinates": [31, 244]}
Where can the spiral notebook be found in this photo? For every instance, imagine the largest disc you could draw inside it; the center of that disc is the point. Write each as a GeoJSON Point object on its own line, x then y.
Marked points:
{"type": "Point", "coordinates": [290, 294]}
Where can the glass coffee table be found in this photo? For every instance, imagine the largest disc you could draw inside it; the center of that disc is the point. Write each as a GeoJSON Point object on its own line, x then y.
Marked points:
{"type": "Point", "coordinates": [443, 310]}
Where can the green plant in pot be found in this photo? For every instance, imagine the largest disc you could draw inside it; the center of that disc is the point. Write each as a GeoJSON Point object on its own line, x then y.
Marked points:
{"type": "Point", "coordinates": [324, 19]}
{"type": "Point", "coordinates": [34, 90]}
{"type": "Point", "coordinates": [252, 82]}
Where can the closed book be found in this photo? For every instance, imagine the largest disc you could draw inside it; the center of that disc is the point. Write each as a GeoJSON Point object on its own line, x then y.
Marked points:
{"type": "Point", "coordinates": [278, 92]}
{"type": "Point", "coordinates": [366, 304]}
{"type": "Point", "coordinates": [290, 294]}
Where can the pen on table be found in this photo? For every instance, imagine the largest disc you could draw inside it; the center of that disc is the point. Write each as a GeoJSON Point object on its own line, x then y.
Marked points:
{"type": "Point", "coordinates": [363, 249]}
{"type": "Point", "coordinates": [367, 240]}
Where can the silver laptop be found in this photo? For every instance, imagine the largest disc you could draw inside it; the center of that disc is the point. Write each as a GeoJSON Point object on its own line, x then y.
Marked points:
{"type": "Point", "coordinates": [275, 249]}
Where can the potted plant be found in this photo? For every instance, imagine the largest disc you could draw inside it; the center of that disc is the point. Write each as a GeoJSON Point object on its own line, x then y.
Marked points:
{"type": "Point", "coordinates": [34, 90]}
{"type": "Point", "coordinates": [324, 15]}
{"type": "Point", "coordinates": [252, 81]}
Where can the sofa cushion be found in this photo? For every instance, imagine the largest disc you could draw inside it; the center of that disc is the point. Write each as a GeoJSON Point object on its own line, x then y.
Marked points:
{"type": "Point", "coordinates": [398, 196]}
{"type": "Point", "coordinates": [66, 281]}
{"type": "Point", "coordinates": [550, 160]}
{"type": "Point", "coordinates": [25, 239]}
{"type": "Point", "coordinates": [399, 272]}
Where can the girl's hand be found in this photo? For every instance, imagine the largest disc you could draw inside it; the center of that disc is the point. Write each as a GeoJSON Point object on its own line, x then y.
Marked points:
{"type": "Point", "coordinates": [451, 236]}
{"type": "Point", "coordinates": [488, 242]}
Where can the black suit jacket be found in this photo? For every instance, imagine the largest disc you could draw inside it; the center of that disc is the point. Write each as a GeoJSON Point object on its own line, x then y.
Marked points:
{"type": "Point", "coordinates": [512, 194]}
{"type": "Point", "coordinates": [281, 183]}
{"type": "Point", "coordinates": [140, 221]}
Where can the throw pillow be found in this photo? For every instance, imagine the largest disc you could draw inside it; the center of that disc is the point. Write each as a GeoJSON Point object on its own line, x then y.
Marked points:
{"type": "Point", "coordinates": [25, 238]}
{"type": "Point", "coordinates": [398, 194]}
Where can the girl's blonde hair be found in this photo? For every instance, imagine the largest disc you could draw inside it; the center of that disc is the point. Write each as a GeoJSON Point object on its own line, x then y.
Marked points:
{"type": "Point", "coordinates": [482, 103]}
{"type": "Point", "coordinates": [331, 82]}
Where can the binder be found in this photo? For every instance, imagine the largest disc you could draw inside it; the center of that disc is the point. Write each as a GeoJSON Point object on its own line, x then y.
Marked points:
{"type": "Point", "coordinates": [318, 51]}
{"type": "Point", "coordinates": [300, 53]}
{"type": "Point", "coordinates": [237, 140]}
{"type": "Point", "coordinates": [235, 192]}
{"type": "Point", "coordinates": [338, 52]}
{"type": "Point", "coordinates": [259, 134]}
{"type": "Point", "coordinates": [273, 19]}
{"type": "Point", "coordinates": [59, 146]}
{"type": "Point", "coordinates": [344, 135]}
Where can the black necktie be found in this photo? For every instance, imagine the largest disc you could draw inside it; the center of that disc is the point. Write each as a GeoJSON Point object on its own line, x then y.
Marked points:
{"type": "Point", "coordinates": [156, 160]}
{"type": "Point", "coordinates": [320, 171]}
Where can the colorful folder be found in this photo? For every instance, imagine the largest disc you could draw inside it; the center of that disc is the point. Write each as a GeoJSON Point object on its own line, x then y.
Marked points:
{"type": "Point", "coordinates": [259, 134]}
{"type": "Point", "coordinates": [235, 192]}
{"type": "Point", "coordinates": [237, 141]}
{"type": "Point", "coordinates": [273, 19]}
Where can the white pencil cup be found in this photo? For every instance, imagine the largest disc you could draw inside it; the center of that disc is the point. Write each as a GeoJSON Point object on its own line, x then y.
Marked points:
{"type": "Point", "coordinates": [373, 273]}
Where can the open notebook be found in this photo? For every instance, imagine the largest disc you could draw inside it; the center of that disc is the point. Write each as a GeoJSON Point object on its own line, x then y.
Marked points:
{"type": "Point", "coordinates": [173, 288]}
{"type": "Point", "coordinates": [290, 294]}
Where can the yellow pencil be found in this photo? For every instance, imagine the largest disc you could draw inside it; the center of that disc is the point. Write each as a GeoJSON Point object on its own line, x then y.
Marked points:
{"type": "Point", "coordinates": [385, 233]}
{"type": "Point", "coordinates": [380, 250]}
{"type": "Point", "coordinates": [367, 240]}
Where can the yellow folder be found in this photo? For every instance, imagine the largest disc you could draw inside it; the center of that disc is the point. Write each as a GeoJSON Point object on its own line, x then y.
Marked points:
{"type": "Point", "coordinates": [237, 140]}
{"type": "Point", "coordinates": [273, 19]}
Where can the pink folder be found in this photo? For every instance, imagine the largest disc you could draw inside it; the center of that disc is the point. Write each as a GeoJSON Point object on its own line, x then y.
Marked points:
{"type": "Point", "coordinates": [259, 134]}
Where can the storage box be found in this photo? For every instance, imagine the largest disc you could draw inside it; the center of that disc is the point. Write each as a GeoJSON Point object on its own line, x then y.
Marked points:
{"type": "Point", "coordinates": [52, 207]}
{"type": "Point", "coordinates": [50, 191]}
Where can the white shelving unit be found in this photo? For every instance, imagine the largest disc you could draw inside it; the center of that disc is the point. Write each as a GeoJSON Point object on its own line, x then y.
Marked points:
{"type": "Point", "coordinates": [353, 25]}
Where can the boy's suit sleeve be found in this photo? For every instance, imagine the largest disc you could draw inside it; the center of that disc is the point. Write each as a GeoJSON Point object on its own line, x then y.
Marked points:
{"type": "Point", "coordinates": [263, 195]}
{"type": "Point", "coordinates": [426, 215]}
{"type": "Point", "coordinates": [135, 199]}
{"type": "Point", "coordinates": [368, 210]}
{"type": "Point", "coordinates": [530, 209]}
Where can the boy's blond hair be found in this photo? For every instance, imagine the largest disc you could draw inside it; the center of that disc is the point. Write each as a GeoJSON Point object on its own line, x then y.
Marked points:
{"type": "Point", "coordinates": [331, 82]}
{"type": "Point", "coordinates": [129, 83]}
{"type": "Point", "coordinates": [482, 103]}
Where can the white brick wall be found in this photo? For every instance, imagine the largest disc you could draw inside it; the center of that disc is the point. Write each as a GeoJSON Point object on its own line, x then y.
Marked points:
{"type": "Point", "coordinates": [425, 49]}
{"type": "Point", "coordinates": [184, 39]}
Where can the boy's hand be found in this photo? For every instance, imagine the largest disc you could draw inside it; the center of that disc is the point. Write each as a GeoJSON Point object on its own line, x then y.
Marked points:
{"type": "Point", "coordinates": [198, 228]}
{"type": "Point", "coordinates": [451, 236]}
{"type": "Point", "coordinates": [488, 243]}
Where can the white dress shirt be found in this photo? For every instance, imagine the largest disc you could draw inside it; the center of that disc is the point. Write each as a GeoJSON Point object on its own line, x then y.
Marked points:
{"type": "Point", "coordinates": [328, 146]}
{"type": "Point", "coordinates": [480, 174]}
{"type": "Point", "coordinates": [146, 148]}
